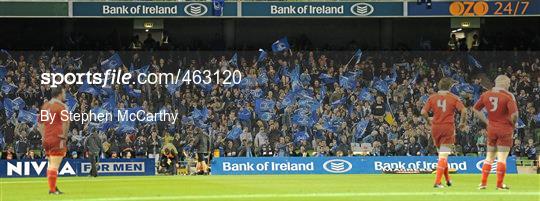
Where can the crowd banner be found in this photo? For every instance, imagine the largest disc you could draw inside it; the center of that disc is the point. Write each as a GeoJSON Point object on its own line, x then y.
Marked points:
{"type": "Point", "coordinates": [78, 167]}
{"type": "Point", "coordinates": [322, 9]}
{"type": "Point", "coordinates": [346, 165]}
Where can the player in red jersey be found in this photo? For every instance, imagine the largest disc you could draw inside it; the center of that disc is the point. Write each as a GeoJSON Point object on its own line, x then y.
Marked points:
{"type": "Point", "coordinates": [54, 135]}
{"type": "Point", "coordinates": [444, 105]}
{"type": "Point", "coordinates": [501, 120]}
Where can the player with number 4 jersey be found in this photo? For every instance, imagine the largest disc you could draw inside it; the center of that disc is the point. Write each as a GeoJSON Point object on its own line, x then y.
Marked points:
{"type": "Point", "coordinates": [443, 105]}
{"type": "Point", "coordinates": [502, 115]}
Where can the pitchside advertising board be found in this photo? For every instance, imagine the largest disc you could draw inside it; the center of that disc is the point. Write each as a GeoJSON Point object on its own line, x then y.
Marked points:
{"type": "Point", "coordinates": [346, 165]}
{"type": "Point", "coordinates": [476, 8]}
{"type": "Point", "coordinates": [148, 9]}
{"type": "Point", "coordinates": [322, 9]}
{"type": "Point", "coordinates": [78, 167]}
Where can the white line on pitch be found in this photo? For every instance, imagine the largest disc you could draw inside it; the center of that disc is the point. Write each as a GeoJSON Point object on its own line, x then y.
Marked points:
{"type": "Point", "coordinates": [301, 195]}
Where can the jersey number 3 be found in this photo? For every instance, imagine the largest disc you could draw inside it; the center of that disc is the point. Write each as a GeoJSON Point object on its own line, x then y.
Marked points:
{"type": "Point", "coordinates": [494, 102]}
{"type": "Point", "coordinates": [442, 105]}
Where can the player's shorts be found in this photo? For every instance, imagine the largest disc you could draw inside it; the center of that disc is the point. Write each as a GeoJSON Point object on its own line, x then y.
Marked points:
{"type": "Point", "coordinates": [200, 157]}
{"type": "Point", "coordinates": [443, 134]}
{"type": "Point", "coordinates": [499, 137]}
{"type": "Point", "coordinates": [55, 147]}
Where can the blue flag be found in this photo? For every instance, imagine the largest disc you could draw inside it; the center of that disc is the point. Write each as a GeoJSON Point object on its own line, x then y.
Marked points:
{"type": "Point", "coordinates": [280, 45]}
{"type": "Point", "coordinates": [361, 127]}
{"type": "Point", "coordinates": [474, 62]}
{"type": "Point", "coordinates": [112, 62]}
{"type": "Point", "coordinates": [266, 116]}
{"type": "Point", "coordinates": [9, 108]}
{"type": "Point", "coordinates": [234, 133]}
{"type": "Point", "coordinates": [8, 88]}
{"type": "Point", "coordinates": [339, 102]}
{"type": "Point", "coordinates": [87, 88]}
{"type": "Point", "coordinates": [262, 78]}
{"type": "Point", "coordinates": [300, 135]}
{"type": "Point", "coordinates": [18, 103]}
{"type": "Point", "coordinates": [263, 105]}
{"type": "Point", "coordinates": [520, 123]}
{"type": "Point", "coordinates": [381, 86]}
{"type": "Point", "coordinates": [71, 102]}
{"type": "Point", "coordinates": [327, 79]}
{"type": "Point", "coordinates": [217, 7]}
{"type": "Point", "coordinates": [348, 82]}
{"type": "Point", "coordinates": [262, 55]}
{"type": "Point", "coordinates": [537, 117]}
{"type": "Point", "coordinates": [234, 60]}
{"type": "Point", "coordinates": [27, 117]}
{"type": "Point", "coordinates": [244, 114]}
{"type": "Point", "coordinates": [358, 55]}
{"type": "Point", "coordinates": [365, 95]}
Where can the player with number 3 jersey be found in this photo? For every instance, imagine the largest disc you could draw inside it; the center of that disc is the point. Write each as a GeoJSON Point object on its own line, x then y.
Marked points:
{"type": "Point", "coordinates": [443, 105]}
{"type": "Point", "coordinates": [502, 115]}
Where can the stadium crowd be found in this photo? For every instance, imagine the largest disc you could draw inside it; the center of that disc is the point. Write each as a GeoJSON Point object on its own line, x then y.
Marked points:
{"type": "Point", "coordinates": [289, 103]}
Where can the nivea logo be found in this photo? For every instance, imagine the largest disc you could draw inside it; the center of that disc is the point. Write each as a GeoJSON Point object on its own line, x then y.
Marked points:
{"type": "Point", "coordinates": [362, 9]}
{"type": "Point", "coordinates": [337, 166]}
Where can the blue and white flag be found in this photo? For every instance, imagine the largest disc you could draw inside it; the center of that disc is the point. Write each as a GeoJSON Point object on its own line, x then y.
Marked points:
{"type": "Point", "coordinates": [262, 78]}
{"type": "Point", "coordinates": [8, 88]}
{"type": "Point", "coordinates": [217, 7]}
{"type": "Point", "coordinates": [244, 114]}
{"type": "Point", "coordinates": [300, 135]}
{"type": "Point", "coordinates": [234, 133]}
{"type": "Point", "coordinates": [520, 123]}
{"type": "Point", "coordinates": [266, 116]}
{"type": "Point", "coordinates": [358, 56]}
{"type": "Point", "coordinates": [112, 62]}
{"type": "Point", "coordinates": [262, 55]}
{"type": "Point", "coordinates": [348, 82]}
{"type": "Point", "coordinates": [8, 107]}
{"type": "Point", "coordinates": [381, 86]}
{"type": "Point", "coordinates": [361, 127]}
{"type": "Point", "coordinates": [87, 88]}
{"type": "Point", "coordinates": [280, 45]}
{"type": "Point", "coordinates": [234, 60]}
{"type": "Point", "coordinates": [71, 102]}
{"type": "Point", "coordinates": [365, 95]}
{"type": "Point", "coordinates": [339, 102]}
{"type": "Point", "coordinates": [327, 79]}
{"type": "Point", "coordinates": [18, 103]}
{"type": "Point", "coordinates": [27, 117]}
{"type": "Point", "coordinates": [263, 105]}
{"type": "Point", "coordinates": [474, 62]}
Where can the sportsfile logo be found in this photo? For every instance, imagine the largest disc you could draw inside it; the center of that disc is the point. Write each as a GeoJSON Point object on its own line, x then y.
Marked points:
{"type": "Point", "coordinates": [337, 166]}
{"type": "Point", "coordinates": [195, 9]}
{"type": "Point", "coordinates": [362, 9]}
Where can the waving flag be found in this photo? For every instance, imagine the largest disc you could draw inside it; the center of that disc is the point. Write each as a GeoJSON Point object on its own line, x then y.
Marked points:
{"type": "Point", "coordinates": [263, 105]}
{"type": "Point", "coordinates": [87, 88]}
{"type": "Point", "coordinates": [234, 60]}
{"type": "Point", "coordinates": [244, 114]}
{"type": "Point", "coordinates": [112, 62]}
{"type": "Point", "coordinates": [262, 55]}
{"type": "Point", "coordinates": [327, 79]}
{"type": "Point", "coordinates": [3, 72]}
{"type": "Point", "coordinates": [302, 118]}
{"type": "Point", "coordinates": [300, 135]}
{"type": "Point", "coordinates": [361, 127]}
{"type": "Point", "coordinates": [381, 86]}
{"type": "Point", "coordinates": [348, 82]}
{"type": "Point", "coordinates": [339, 102]}
{"type": "Point", "coordinates": [474, 62]}
{"type": "Point", "coordinates": [71, 102]}
{"type": "Point", "coordinates": [358, 55]}
{"type": "Point", "coordinates": [266, 116]}
{"type": "Point", "coordinates": [262, 78]}
{"type": "Point", "coordinates": [280, 45]}
{"type": "Point", "coordinates": [520, 123]}
{"type": "Point", "coordinates": [9, 107]}
{"type": "Point", "coordinates": [27, 117]}
{"type": "Point", "coordinates": [234, 133]}
{"type": "Point", "coordinates": [8, 88]}
{"type": "Point", "coordinates": [18, 103]}
{"type": "Point", "coordinates": [365, 95]}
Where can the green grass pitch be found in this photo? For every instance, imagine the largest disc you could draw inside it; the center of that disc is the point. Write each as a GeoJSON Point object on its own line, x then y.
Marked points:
{"type": "Point", "coordinates": [270, 187]}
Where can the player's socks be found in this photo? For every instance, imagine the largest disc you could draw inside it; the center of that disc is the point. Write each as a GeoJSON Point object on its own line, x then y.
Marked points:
{"type": "Point", "coordinates": [501, 171]}
{"type": "Point", "coordinates": [52, 174]}
{"type": "Point", "coordinates": [441, 165]}
{"type": "Point", "coordinates": [486, 168]}
{"type": "Point", "coordinates": [446, 174]}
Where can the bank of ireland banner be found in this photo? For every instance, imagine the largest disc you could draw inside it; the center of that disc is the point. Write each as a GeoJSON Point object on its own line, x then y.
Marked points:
{"type": "Point", "coordinates": [345, 165]}
{"type": "Point", "coordinates": [149, 9]}
{"type": "Point", "coordinates": [322, 9]}
{"type": "Point", "coordinates": [78, 167]}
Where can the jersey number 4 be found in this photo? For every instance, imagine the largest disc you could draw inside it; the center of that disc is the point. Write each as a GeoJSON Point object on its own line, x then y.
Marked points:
{"type": "Point", "coordinates": [442, 105]}
{"type": "Point", "coordinates": [494, 102]}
